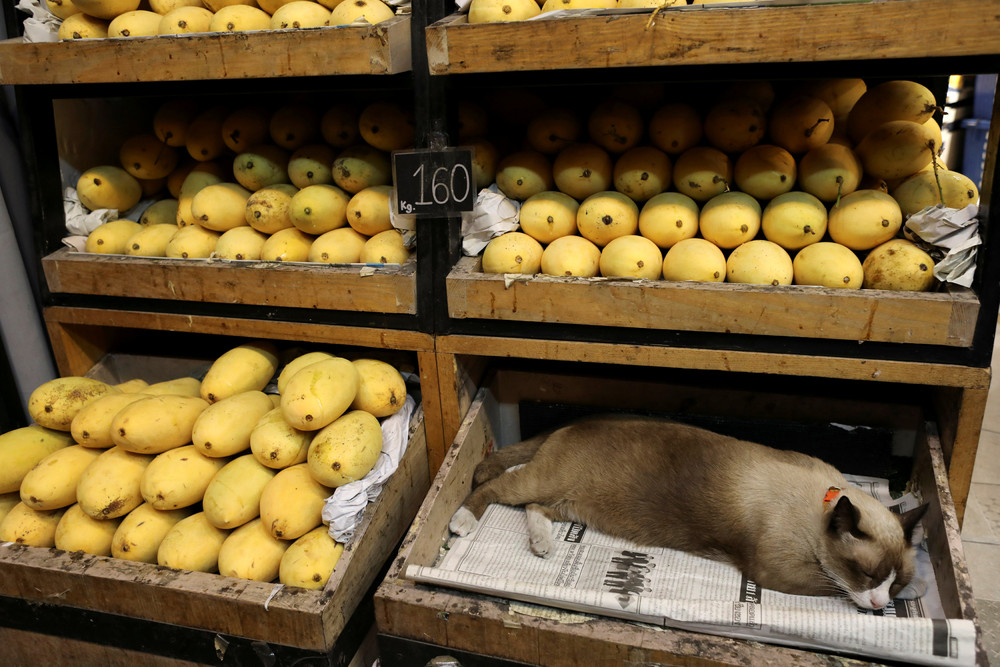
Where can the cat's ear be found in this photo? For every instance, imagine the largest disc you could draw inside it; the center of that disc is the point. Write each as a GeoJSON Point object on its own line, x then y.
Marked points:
{"type": "Point", "coordinates": [910, 518]}
{"type": "Point", "coordinates": [844, 518]}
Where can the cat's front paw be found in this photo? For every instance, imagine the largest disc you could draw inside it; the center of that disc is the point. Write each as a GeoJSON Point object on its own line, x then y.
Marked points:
{"type": "Point", "coordinates": [915, 589]}
{"type": "Point", "coordinates": [463, 522]}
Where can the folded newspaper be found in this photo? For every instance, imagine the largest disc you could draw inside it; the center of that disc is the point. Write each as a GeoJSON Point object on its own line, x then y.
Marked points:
{"type": "Point", "coordinates": [592, 572]}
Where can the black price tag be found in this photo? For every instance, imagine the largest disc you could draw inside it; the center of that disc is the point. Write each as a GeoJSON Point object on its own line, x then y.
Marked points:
{"type": "Point", "coordinates": [434, 182]}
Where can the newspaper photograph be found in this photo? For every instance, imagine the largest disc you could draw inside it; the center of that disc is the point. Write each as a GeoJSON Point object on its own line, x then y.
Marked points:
{"type": "Point", "coordinates": [594, 573]}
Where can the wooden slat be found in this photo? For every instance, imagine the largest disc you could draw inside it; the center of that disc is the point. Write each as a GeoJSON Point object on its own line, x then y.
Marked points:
{"type": "Point", "coordinates": [386, 290]}
{"type": "Point", "coordinates": [380, 49]}
{"type": "Point", "coordinates": [31, 648]}
{"type": "Point", "coordinates": [938, 318]}
{"type": "Point", "coordinates": [700, 35]}
{"type": "Point", "coordinates": [233, 326]}
{"type": "Point", "coordinates": [853, 368]}
{"type": "Point", "coordinates": [960, 420]}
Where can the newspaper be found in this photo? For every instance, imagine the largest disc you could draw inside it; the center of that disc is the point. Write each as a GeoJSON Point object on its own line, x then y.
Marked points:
{"type": "Point", "coordinates": [594, 573]}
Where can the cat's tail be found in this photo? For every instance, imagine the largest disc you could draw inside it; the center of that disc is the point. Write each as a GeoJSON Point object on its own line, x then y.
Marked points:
{"type": "Point", "coordinates": [507, 457]}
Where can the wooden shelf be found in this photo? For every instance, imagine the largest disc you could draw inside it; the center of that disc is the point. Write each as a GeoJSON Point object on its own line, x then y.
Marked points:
{"type": "Point", "coordinates": [389, 289]}
{"type": "Point", "coordinates": [710, 34]}
{"type": "Point", "coordinates": [383, 48]}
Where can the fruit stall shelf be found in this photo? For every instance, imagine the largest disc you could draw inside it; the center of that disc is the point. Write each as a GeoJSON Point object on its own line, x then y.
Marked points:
{"type": "Point", "coordinates": [383, 48]}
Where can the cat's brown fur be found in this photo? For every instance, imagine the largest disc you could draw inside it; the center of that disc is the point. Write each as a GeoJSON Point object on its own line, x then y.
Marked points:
{"type": "Point", "coordinates": [661, 483]}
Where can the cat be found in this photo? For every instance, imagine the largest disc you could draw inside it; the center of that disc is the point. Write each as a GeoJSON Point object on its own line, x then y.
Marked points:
{"type": "Point", "coordinates": [787, 520]}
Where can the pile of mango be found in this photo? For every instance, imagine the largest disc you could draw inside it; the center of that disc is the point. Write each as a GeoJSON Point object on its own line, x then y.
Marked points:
{"type": "Point", "coordinates": [212, 475]}
{"type": "Point", "coordinates": [809, 184]}
{"type": "Point", "coordinates": [502, 11]}
{"type": "Point", "coordinates": [96, 19]}
{"type": "Point", "coordinates": [293, 183]}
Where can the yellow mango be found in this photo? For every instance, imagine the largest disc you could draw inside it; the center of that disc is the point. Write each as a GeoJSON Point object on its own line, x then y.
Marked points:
{"type": "Point", "coordinates": [794, 220]}
{"type": "Point", "coordinates": [192, 544]}
{"type": "Point", "coordinates": [346, 450]}
{"type": "Point", "coordinates": [51, 484]}
{"type": "Point", "coordinates": [385, 248]}
{"type": "Point", "coordinates": [150, 241]}
{"type": "Point", "coordinates": [183, 386]}
{"type": "Point", "coordinates": [247, 367]}
{"type": "Point", "coordinates": [339, 123]}
{"type": "Point", "coordinates": [82, 26]}
{"type": "Point", "coordinates": [338, 246]}
{"type": "Point", "coordinates": [294, 125]}
{"type": "Point", "coordinates": [386, 125]}
{"type": "Point", "coordinates": [287, 245]}
{"type": "Point", "coordinates": [525, 173]}
{"type": "Point", "coordinates": [250, 552]}
{"type": "Point", "coordinates": [361, 166]}
{"type": "Point", "coordinates": [240, 243]}
{"type": "Point", "coordinates": [512, 252]}
{"type": "Point", "coordinates": [33, 528]}
{"type": "Point", "coordinates": [729, 219]}
{"type": "Point", "coordinates": [642, 172]}
{"type": "Point", "coordinates": [62, 8]}
{"type": "Point", "coordinates": [111, 238]}
{"type": "Point", "coordinates": [759, 262]}
{"type": "Point", "coordinates": [193, 183]}
{"type": "Point", "coordinates": [702, 172]}
{"type": "Point", "coordinates": [133, 386]}
{"type": "Point", "coordinates": [553, 129]}
{"type": "Point", "coordinates": [220, 207]}
{"type": "Point", "coordinates": [368, 210]}
{"type": "Point", "coordinates": [292, 503]}
{"type": "Point", "coordinates": [21, 448]}
{"type": "Point", "coordinates": [203, 139]}
{"type": "Point", "coordinates": [233, 496]}
{"type": "Point", "coordinates": [694, 259]}
{"type": "Point", "coordinates": [106, 9]}
{"type": "Point", "coordinates": [239, 18]}
{"type": "Point", "coordinates": [246, 127]}
{"type": "Point", "coordinates": [548, 216]}
{"type": "Point", "coordinates": [921, 190]}
{"type": "Point", "coordinates": [139, 534]}
{"type": "Point", "coordinates": [735, 124]}
{"type": "Point", "coordinates": [110, 486]}
{"type": "Point", "coordinates": [316, 209]}
{"type": "Point", "coordinates": [887, 101]}
{"type": "Point", "coordinates": [297, 364]}
{"type": "Point", "coordinates": [144, 155]}
{"type": "Point", "coordinates": [223, 429]}
{"type": "Point", "coordinates": [800, 122]}
{"type": "Point", "coordinates": [765, 171]}
{"type": "Point", "coordinates": [828, 264]}
{"type": "Point", "coordinates": [277, 445]}
{"type": "Point", "coordinates": [261, 166]}
{"type": "Point", "coordinates": [267, 209]}
{"type": "Point", "coordinates": [381, 388]}
{"type": "Point", "coordinates": [53, 404]}
{"type": "Point", "coordinates": [675, 127]}
{"type": "Point", "coordinates": [108, 186]}
{"type": "Point", "coordinates": [897, 149]}
{"type": "Point", "coordinates": [582, 169]}
{"type": "Point", "coordinates": [631, 256]}
{"type": "Point", "coordinates": [899, 264]}
{"type": "Point", "coordinates": [373, 11]}
{"type": "Point", "coordinates": [78, 531]}
{"type": "Point", "coordinates": [8, 500]}
{"type": "Point", "coordinates": [864, 219]}
{"type": "Point", "coordinates": [615, 125]}
{"type": "Point", "coordinates": [178, 478]}
{"type": "Point", "coordinates": [156, 423]}
{"type": "Point", "coordinates": [605, 216]}
{"type": "Point", "coordinates": [319, 393]}
{"type": "Point", "coordinates": [667, 218]}
{"type": "Point", "coordinates": [171, 119]}
{"type": "Point", "coordinates": [312, 164]}
{"type": "Point", "coordinates": [571, 256]}
{"type": "Point", "coordinates": [192, 242]}
{"type": "Point", "coordinates": [501, 11]}
{"type": "Point", "coordinates": [829, 171]}
{"type": "Point", "coordinates": [310, 560]}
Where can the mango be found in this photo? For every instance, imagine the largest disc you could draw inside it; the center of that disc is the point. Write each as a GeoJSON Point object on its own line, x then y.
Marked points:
{"type": "Point", "coordinates": [387, 125]}
{"type": "Point", "coordinates": [730, 219]}
{"type": "Point", "coordinates": [310, 560]}
{"type": "Point", "coordinates": [372, 11]}
{"type": "Point", "coordinates": [55, 403]}
{"type": "Point", "coordinates": [702, 172]}
{"type": "Point", "coordinates": [203, 138]}
{"type": "Point", "coordinates": [485, 157]}
{"type": "Point", "coordinates": [22, 448]}
{"type": "Point", "coordinates": [317, 209]}
{"type": "Point", "coordinates": [759, 262]}
{"type": "Point", "coordinates": [192, 544]}
{"type": "Point", "coordinates": [8, 500]}
{"type": "Point", "coordinates": [829, 171]}
{"type": "Point", "coordinates": [184, 386]}
{"type": "Point", "coordinates": [250, 552]}
{"type": "Point", "coordinates": [319, 393]}
{"type": "Point", "coordinates": [294, 125]}
{"type": "Point", "coordinates": [239, 18]}
{"type": "Point", "coordinates": [139, 534]}
{"type": "Point", "coordinates": [192, 242]}
{"type": "Point", "coordinates": [162, 212]}
{"type": "Point", "coordinates": [615, 126]}
{"type": "Point", "coordinates": [524, 173]}
{"type": "Point", "coordinates": [631, 256]}
{"type": "Point", "coordinates": [642, 172]}
{"type": "Point", "coordinates": [312, 164]}
{"type": "Point", "coordinates": [150, 241]}
{"type": "Point", "coordinates": [277, 445]}
{"type": "Point", "coordinates": [247, 367]}
{"type": "Point", "coordinates": [292, 503]}
{"type": "Point", "coordinates": [240, 243]}
{"type": "Point", "coordinates": [346, 450]}
{"type": "Point", "coordinates": [220, 207]}
{"type": "Point", "coordinates": [385, 248]}
{"type": "Point", "coordinates": [300, 14]}
{"type": "Point", "coordinates": [192, 184]}
{"type": "Point", "coordinates": [553, 129]}
{"type": "Point", "coordinates": [233, 496]}
{"type": "Point", "coordinates": [794, 220]}
{"type": "Point", "coordinates": [51, 483]}
{"type": "Point", "coordinates": [296, 364]}
{"type": "Point", "coordinates": [62, 9]}
{"type": "Point", "coordinates": [171, 118]}
{"type": "Point", "coordinates": [887, 101]}
{"type": "Point", "coordinates": [178, 477]}
{"type": "Point", "coordinates": [800, 122]}
{"type": "Point", "coordinates": [91, 427]}
{"type": "Point", "coordinates": [33, 528]}
{"type": "Point", "coordinates": [581, 170]}
{"type": "Point", "coordinates": [267, 209]}
{"type": "Point", "coordinates": [829, 265]}
{"type": "Point", "coordinates": [287, 245]}
{"type": "Point", "coordinates": [223, 429]}
{"type": "Point", "coordinates": [109, 487]}
{"type": "Point", "coordinates": [156, 423]}
{"type": "Point", "coordinates": [261, 166]}
{"type": "Point", "coordinates": [368, 210]}
{"type": "Point", "coordinates": [144, 155]}
{"type": "Point", "coordinates": [106, 9]}
{"type": "Point", "coordinates": [675, 127]}
{"type": "Point", "coordinates": [513, 252]}
{"type": "Point", "coordinates": [548, 215]}
{"type": "Point", "coordinates": [921, 190]}
{"type": "Point", "coordinates": [667, 218]}
{"type": "Point", "coordinates": [108, 186]}
{"type": "Point", "coordinates": [501, 11]}
{"type": "Point", "coordinates": [111, 238]}
{"type": "Point", "coordinates": [896, 149]}
{"type": "Point", "coordinates": [898, 264]}
{"type": "Point", "coordinates": [864, 219]}
{"type": "Point", "coordinates": [381, 387]}
{"type": "Point", "coordinates": [571, 256]}
{"type": "Point", "coordinates": [82, 26]}
{"type": "Point", "coordinates": [246, 128]}
{"type": "Point", "coordinates": [78, 531]}
{"type": "Point", "coordinates": [605, 216]}
{"type": "Point", "coordinates": [361, 166]}
{"type": "Point", "coordinates": [339, 123]}
{"type": "Point", "coordinates": [338, 246]}
{"type": "Point", "coordinates": [734, 125]}
{"type": "Point", "coordinates": [765, 171]}
{"type": "Point", "coordinates": [694, 259]}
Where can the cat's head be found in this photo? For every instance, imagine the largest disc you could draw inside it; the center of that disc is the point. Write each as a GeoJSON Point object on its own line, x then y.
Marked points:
{"type": "Point", "coordinates": [868, 552]}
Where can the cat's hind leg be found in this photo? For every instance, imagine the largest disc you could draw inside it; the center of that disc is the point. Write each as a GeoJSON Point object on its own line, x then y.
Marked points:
{"type": "Point", "coordinates": [496, 463]}
{"type": "Point", "coordinates": [540, 518]}
{"type": "Point", "coordinates": [516, 487]}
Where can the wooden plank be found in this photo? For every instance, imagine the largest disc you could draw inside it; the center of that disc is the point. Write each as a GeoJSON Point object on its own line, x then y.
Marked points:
{"type": "Point", "coordinates": [76, 349]}
{"type": "Point", "coordinates": [459, 379]}
{"type": "Point", "coordinates": [21, 647]}
{"type": "Point", "coordinates": [324, 287]}
{"type": "Point", "coordinates": [397, 339]}
{"type": "Point", "coordinates": [853, 368]}
{"type": "Point", "coordinates": [959, 413]}
{"type": "Point", "coordinates": [383, 48]}
{"type": "Point", "coordinates": [935, 318]}
{"type": "Point", "coordinates": [700, 35]}
{"type": "Point", "coordinates": [430, 398]}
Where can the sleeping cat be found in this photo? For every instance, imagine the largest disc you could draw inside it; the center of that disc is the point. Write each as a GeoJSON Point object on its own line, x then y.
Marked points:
{"type": "Point", "coordinates": [789, 521]}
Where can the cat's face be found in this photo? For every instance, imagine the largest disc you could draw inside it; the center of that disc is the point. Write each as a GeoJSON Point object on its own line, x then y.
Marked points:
{"type": "Point", "coordinates": [868, 554]}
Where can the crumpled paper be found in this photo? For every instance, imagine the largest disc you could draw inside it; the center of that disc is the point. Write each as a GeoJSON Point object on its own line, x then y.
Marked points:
{"type": "Point", "coordinates": [951, 237]}
{"type": "Point", "coordinates": [80, 220]}
{"type": "Point", "coordinates": [344, 509]}
{"type": "Point", "coordinates": [42, 25]}
{"type": "Point", "coordinates": [494, 214]}
{"type": "Point", "coordinates": [406, 224]}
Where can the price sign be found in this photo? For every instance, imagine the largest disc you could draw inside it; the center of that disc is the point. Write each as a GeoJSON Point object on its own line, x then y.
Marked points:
{"type": "Point", "coordinates": [434, 182]}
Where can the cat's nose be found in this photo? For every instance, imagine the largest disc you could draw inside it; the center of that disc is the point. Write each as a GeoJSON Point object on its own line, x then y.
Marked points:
{"type": "Point", "coordinates": [878, 601]}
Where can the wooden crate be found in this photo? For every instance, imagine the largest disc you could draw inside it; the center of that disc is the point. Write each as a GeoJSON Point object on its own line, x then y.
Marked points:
{"type": "Point", "coordinates": [173, 615]}
{"type": "Point", "coordinates": [386, 289]}
{"type": "Point", "coordinates": [416, 620]}
{"type": "Point", "coordinates": [383, 48]}
{"type": "Point", "coordinates": [758, 32]}
{"type": "Point", "coordinates": [937, 318]}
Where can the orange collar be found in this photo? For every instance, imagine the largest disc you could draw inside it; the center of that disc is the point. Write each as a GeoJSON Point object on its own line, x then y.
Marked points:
{"type": "Point", "coordinates": [831, 493]}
